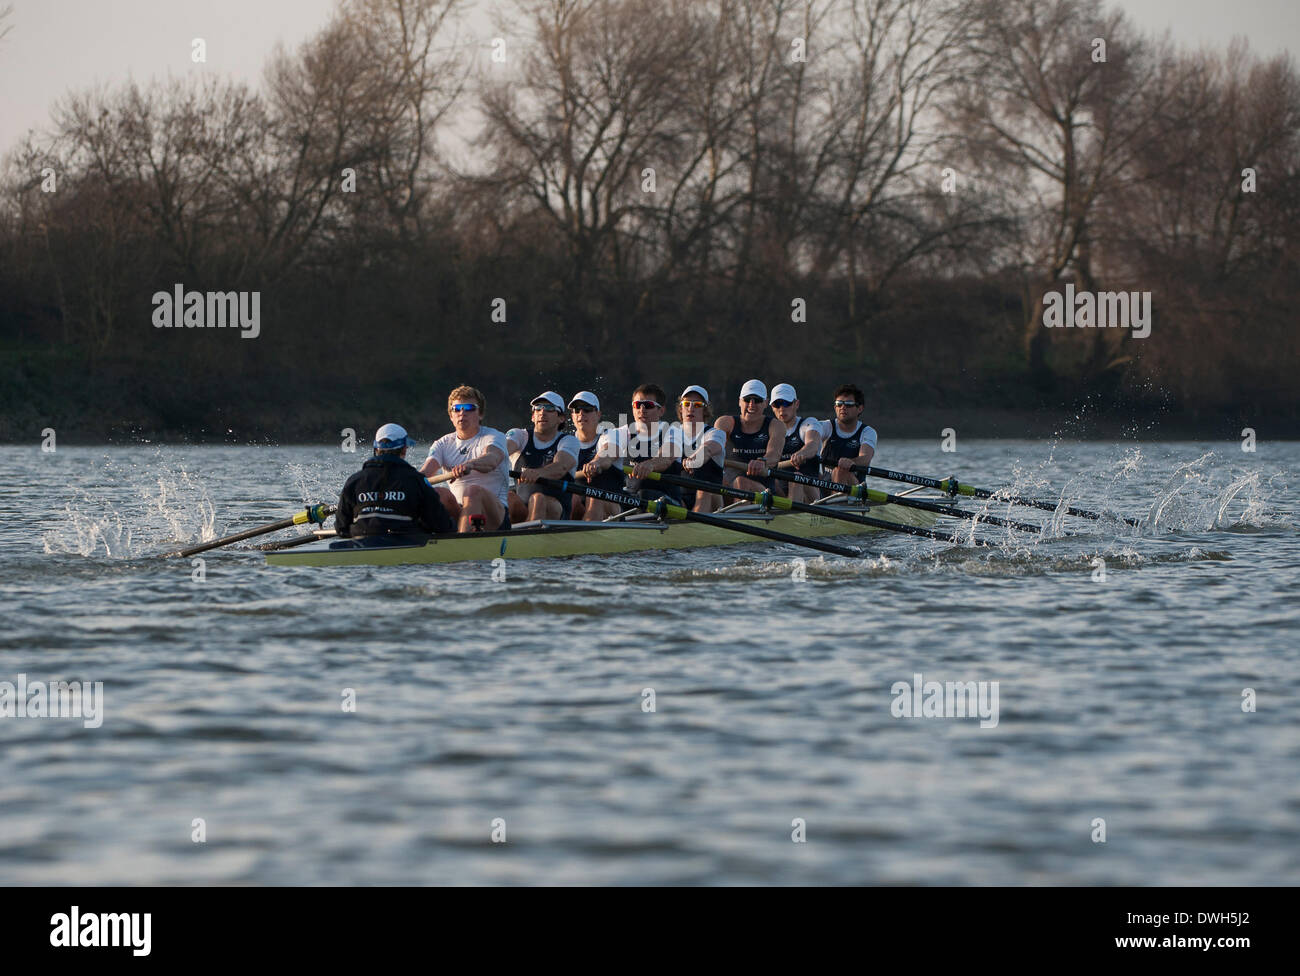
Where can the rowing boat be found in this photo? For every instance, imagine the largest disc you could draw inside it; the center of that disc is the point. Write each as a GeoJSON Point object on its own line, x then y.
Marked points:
{"type": "Point", "coordinates": [536, 540]}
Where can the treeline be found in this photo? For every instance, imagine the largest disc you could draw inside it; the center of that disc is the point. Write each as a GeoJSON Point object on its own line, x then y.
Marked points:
{"type": "Point", "coordinates": [683, 190]}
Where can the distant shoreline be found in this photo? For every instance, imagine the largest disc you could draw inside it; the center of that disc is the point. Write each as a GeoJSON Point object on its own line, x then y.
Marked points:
{"type": "Point", "coordinates": [986, 423]}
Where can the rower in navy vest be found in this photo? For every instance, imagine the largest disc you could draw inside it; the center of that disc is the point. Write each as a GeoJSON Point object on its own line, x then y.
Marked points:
{"type": "Point", "coordinates": [584, 414]}
{"type": "Point", "coordinates": [647, 444]}
{"type": "Point", "coordinates": [846, 440]}
{"type": "Point", "coordinates": [753, 438]}
{"type": "Point", "coordinates": [545, 451]}
{"type": "Point", "coordinates": [388, 498]}
{"type": "Point", "coordinates": [803, 443]}
{"type": "Point", "coordinates": [704, 448]}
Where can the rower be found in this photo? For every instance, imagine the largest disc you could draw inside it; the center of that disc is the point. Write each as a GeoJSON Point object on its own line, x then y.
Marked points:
{"type": "Point", "coordinates": [476, 455]}
{"type": "Point", "coordinates": [388, 498]}
{"type": "Point", "coordinates": [704, 447]}
{"type": "Point", "coordinates": [846, 440]}
{"type": "Point", "coordinates": [753, 438]}
{"type": "Point", "coordinates": [544, 452]}
{"type": "Point", "coordinates": [803, 443]}
{"type": "Point", "coordinates": [584, 412]}
{"type": "Point", "coordinates": [648, 444]}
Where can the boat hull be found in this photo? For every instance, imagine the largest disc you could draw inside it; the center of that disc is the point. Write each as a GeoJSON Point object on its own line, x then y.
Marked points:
{"type": "Point", "coordinates": [582, 539]}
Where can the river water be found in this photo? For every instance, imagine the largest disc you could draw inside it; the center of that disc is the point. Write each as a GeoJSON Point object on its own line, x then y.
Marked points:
{"type": "Point", "coordinates": [1147, 683]}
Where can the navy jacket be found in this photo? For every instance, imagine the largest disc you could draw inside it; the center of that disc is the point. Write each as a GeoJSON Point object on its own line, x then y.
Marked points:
{"type": "Point", "coordinates": [389, 497]}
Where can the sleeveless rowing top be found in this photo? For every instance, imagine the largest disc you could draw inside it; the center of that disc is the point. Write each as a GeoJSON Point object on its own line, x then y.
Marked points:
{"type": "Point", "coordinates": [533, 456]}
{"type": "Point", "coordinates": [611, 479]}
{"type": "Point", "coordinates": [710, 470]}
{"type": "Point", "coordinates": [748, 447]}
{"type": "Point", "coordinates": [794, 443]}
{"type": "Point", "coordinates": [838, 446]}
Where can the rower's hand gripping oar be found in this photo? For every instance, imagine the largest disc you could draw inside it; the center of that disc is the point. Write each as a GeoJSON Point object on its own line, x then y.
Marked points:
{"type": "Point", "coordinates": [312, 513]}
{"type": "Point", "coordinates": [953, 487]}
{"type": "Point", "coordinates": [768, 499]}
{"type": "Point", "coordinates": [665, 509]}
{"type": "Point", "coordinates": [885, 498]}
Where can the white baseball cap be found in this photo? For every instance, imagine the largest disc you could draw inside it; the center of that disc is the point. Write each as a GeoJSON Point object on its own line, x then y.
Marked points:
{"type": "Point", "coordinates": [392, 436]}
{"type": "Point", "coordinates": [704, 394]}
{"type": "Point", "coordinates": [587, 397]}
{"type": "Point", "coordinates": [550, 399]}
{"type": "Point", "coordinates": [753, 388]}
{"type": "Point", "coordinates": [784, 391]}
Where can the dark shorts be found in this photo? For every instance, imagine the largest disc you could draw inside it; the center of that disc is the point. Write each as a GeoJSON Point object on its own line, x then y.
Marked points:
{"type": "Point", "coordinates": [563, 497]}
{"type": "Point", "coordinates": [566, 502]}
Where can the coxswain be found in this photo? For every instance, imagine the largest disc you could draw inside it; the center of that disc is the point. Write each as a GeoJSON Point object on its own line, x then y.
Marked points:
{"type": "Point", "coordinates": [846, 440]}
{"type": "Point", "coordinates": [388, 497]}
{"type": "Point", "coordinates": [476, 455]}
{"type": "Point", "coordinates": [704, 448]}
{"type": "Point", "coordinates": [753, 438]}
{"type": "Point", "coordinates": [803, 443]}
{"type": "Point", "coordinates": [545, 451]}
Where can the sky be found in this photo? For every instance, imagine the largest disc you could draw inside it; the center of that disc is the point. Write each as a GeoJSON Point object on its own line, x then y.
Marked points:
{"type": "Point", "coordinates": [57, 45]}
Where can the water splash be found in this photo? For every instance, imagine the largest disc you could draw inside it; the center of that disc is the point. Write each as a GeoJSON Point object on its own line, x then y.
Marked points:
{"type": "Point", "coordinates": [98, 520]}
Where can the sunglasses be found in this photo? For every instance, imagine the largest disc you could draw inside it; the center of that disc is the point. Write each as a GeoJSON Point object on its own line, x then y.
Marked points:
{"type": "Point", "coordinates": [464, 407]}
{"type": "Point", "coordinates": [781, 403]}
{"type": "Point", "coordinates": [582, 408]}
{"type": "Point", "coordinates": [847, 403]}
{"type": "Point", "coordinates": [538, 408]}
{"type": "Point", "coordinates": [697, 404]}
{"type": "Point", "coordinates": [645, 404]}
{"type": "Point", "coordinates": [752, 399]}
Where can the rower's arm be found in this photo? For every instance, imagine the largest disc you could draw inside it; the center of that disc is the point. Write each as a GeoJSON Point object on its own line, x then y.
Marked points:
{"type": "Point", "coordinates": [711, 448]}
{"type": "Point", "coordinates": [488, 461]}
{"type": "Point", "coordinates": [430, 467]}
{"type": "Point", "coordinates": [559, 468]}
{"type": "Point", "coordinates": [812, 445]}
{"type": "Point", "coordinates": [775, 443]}
{"type": "Point", "coordinates": [607, 452]}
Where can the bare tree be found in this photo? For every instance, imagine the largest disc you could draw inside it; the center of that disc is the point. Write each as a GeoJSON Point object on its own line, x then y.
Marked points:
{"type": "Point", "coordinates": [1065, 97]}
{"type": "Point", "coordinates": [589, 110]}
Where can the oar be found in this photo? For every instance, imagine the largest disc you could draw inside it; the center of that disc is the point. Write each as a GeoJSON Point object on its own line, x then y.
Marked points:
{"type": "Point", "coordinates": [300, 540]}
{"type": "Point", "coordinates": [953, 487]}
{"type": "Point", "coordinates": [885, 498]}
{"type": "Point", "coordinates": [766, 498]}
{"type": "Point", "coordinates": [663, 508]}
{"type": "Point", "coordinates": [312, 513]}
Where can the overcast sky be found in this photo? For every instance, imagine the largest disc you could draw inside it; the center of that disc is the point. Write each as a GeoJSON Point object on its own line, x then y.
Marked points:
{"type": "Point", "coordinates": [57, 45]}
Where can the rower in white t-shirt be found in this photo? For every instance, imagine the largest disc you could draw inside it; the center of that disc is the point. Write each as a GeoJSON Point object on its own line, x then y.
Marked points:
{"type": "Point", "coordinates": [543, 452]}
{"type": "Point", "coordinates": [476, 455]}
